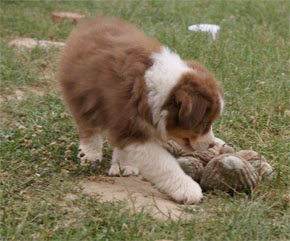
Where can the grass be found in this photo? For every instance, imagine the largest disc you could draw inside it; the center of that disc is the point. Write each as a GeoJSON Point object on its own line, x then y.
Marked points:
{"type": "Point", "coordinates": [38, 164]}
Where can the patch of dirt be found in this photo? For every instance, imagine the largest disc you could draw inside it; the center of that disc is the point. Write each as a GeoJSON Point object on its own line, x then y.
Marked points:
{"type": "Point", "coordinates": [15, 94]}
{"type": "Point", "coordinates": [20, 92]}
{"type": "Point", "coordinates": [137, 193]}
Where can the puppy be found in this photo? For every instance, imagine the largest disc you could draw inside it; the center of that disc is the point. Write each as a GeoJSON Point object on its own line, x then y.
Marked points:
{"type": "Point", "coordinates": [117, 80]}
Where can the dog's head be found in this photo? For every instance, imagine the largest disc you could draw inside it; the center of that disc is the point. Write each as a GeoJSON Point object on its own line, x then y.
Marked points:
{"type": "Point", "coordinates": [193, 105]}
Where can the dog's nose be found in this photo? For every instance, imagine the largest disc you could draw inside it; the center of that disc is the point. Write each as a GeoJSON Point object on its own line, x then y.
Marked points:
{"type": "Point", "coordinates": [211, 145]}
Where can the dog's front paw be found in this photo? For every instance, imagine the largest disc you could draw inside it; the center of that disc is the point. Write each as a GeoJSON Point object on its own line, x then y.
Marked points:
{"type": "Point", "coordinates": [186, 191]}
{"type": "Point", "coordinates": [125, 171]}
{"type": "Point", "coordinates": [130, 171]}
{"type": "Point", "coordinates": [114, 170]}
{"type": "Point", "coordinates": [88, 157]}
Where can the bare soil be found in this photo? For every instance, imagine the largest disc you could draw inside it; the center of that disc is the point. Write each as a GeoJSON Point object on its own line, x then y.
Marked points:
{"type": "Point", "coordinates": [138, 194]}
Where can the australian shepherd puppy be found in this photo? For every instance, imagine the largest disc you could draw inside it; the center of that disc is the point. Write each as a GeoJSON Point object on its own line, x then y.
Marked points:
{"type": "Point", "coordinates": [117, 80]}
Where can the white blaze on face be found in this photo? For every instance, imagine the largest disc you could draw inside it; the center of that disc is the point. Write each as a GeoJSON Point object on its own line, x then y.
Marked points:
{"type": "Point", "coordinates": [203, 142]}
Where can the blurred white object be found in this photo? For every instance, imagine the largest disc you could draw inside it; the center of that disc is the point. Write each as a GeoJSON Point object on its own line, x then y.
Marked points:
{"type": "Point", "coordinates": [210, 28]}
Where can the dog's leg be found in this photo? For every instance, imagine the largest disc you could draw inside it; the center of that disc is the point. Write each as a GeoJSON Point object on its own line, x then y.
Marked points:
{"type": "Point", "coordinates": [121, 166]}
{"type": "Point", "coordinates": [159, 167]}
{"type": "Point", "coordinates": [91, 143]}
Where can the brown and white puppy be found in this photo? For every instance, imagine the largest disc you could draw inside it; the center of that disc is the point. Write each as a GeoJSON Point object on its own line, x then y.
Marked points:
{"type": "Point", "coordinates": [117, 80]}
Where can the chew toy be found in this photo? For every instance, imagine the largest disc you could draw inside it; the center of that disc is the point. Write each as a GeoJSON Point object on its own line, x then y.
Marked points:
{"type": "Point", "coordinates": [222, 168]}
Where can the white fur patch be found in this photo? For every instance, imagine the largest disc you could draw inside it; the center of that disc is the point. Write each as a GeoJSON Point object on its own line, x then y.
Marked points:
{"type": "Point", "coordinates": [232, 163]}
{"type": "Point", "coordinates": [159, 167]}
{"type": "Point", "coordinates": [91, 152]}
{"type": "Point", "coordinates": [161, 77]}
{"type": "Point", "coordinates": [121, 166]}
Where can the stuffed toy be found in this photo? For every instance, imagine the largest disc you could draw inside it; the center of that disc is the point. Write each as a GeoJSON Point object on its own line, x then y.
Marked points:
{"type": "Point", "coordinates": [222, 168]}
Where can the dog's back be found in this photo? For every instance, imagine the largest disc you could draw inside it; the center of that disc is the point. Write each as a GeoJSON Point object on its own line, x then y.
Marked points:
{"type": "Point", "coordinates": [102, 73]}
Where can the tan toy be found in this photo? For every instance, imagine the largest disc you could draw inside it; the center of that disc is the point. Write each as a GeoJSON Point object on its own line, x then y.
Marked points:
{"type": "Point", "coordinates": [222, 168]}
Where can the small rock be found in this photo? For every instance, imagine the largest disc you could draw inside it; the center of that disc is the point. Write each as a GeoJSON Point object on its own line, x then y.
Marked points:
{"type": "Point", "coordinates": [61, 16]}
{"type": "Point", "coordinates": [29, 43]}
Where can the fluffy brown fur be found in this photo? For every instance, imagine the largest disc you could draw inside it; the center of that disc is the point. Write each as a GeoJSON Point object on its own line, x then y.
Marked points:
{"type": "Point", "coordinates": [193, 104]}
{"type": "Point", "coordinates": [102, 78]}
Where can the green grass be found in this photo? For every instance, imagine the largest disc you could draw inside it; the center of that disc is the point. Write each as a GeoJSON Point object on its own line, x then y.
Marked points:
{"type": "Point", "coordinates": [38, 164]}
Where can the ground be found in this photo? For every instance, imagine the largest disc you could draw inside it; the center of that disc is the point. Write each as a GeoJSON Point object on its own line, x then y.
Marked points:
{"type": "Point", "coordinates": [46, 195]}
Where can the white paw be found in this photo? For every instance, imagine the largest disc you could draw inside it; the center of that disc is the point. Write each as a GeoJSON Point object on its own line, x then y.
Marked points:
{"type": "Point", "coordinates": [186, 191]}
{"type": "Point", "coordinates": [114, 170]}
{"type": "Point", "coordinates": [125, 171]}
{"type": "Point", "coordinates": [89, 157]}
{"type": "Point", "coordinates": [130, 171]}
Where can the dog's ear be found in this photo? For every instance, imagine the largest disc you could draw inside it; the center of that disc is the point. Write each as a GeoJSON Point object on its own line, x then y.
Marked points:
{"type": "Point", "coordinates": [192, 109]}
